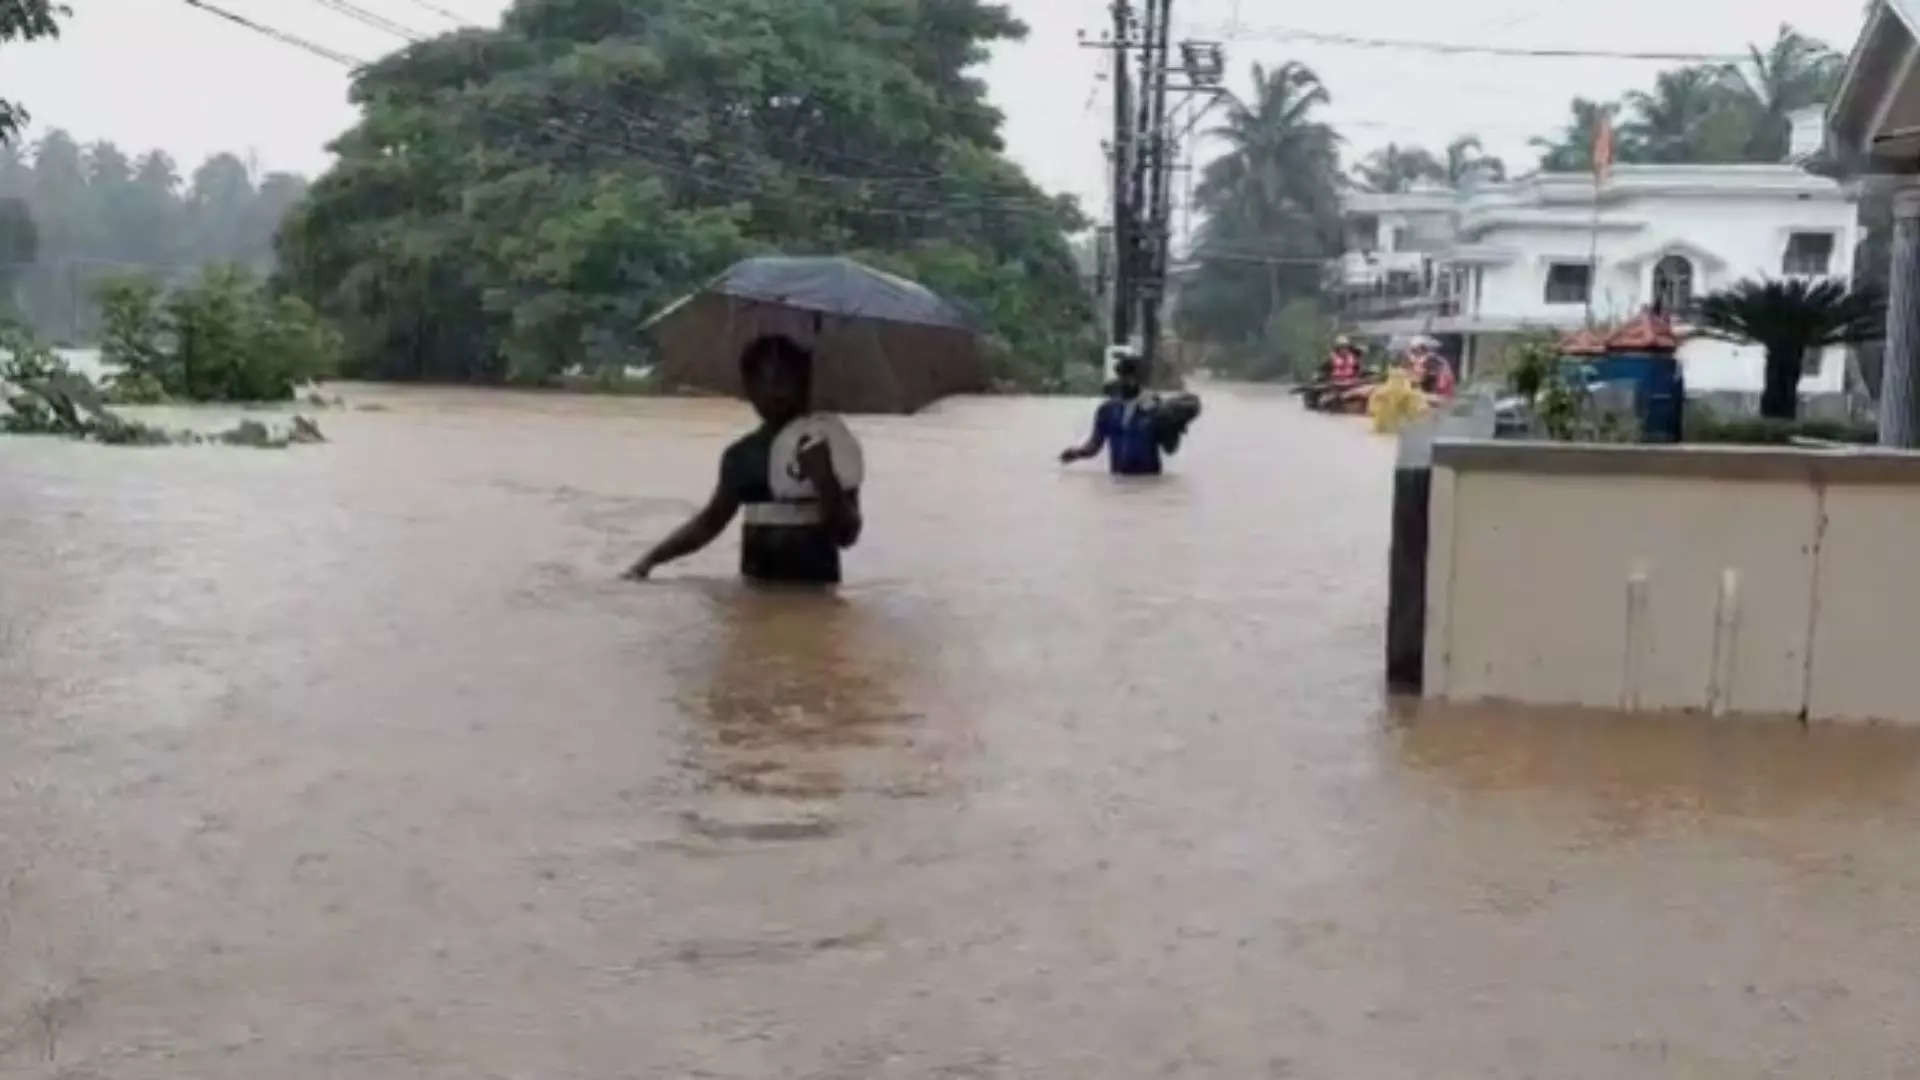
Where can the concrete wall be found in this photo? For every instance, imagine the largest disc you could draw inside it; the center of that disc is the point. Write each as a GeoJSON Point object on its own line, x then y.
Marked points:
{"type": "Point", "coordinates": [1641, 578]}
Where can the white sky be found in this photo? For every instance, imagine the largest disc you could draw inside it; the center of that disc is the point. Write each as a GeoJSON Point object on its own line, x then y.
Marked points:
{"type": "Point", "coordinates": [148, 73]}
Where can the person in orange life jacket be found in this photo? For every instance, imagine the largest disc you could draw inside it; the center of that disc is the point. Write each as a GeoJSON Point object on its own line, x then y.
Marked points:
{"type": "Point", "coordinates": [1124, 425]}
{"type": "Point", "coordinates": [1431, 371]}
{"type": "Point", "coordinates": [1343, 366]}
{"type": "Point", "coordinates": [798, 542]}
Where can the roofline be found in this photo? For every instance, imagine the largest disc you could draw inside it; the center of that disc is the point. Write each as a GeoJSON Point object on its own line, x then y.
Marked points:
{"type": "Point", "coordinates": [1845, 146]}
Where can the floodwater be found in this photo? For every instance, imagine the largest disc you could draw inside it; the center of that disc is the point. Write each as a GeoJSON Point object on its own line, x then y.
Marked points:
{"type": "Point", "coordinates": [357, 761]}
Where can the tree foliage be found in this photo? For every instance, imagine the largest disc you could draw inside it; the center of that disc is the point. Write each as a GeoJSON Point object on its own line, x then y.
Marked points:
{"type": "Point", "coordinates": [1272, 206]}
{"type": "Point", "coordinates": [517, 202]}
{"type": "Point", "coordinates": [1572, 150]}
{"type": "Point", "coordinates": [98, 212]}
{"type": "Point", "coordinates": [1790, 318]}
{"type": "Point", "coordinates": [19, 247]}
{"type": "Point", "coordinates": [24, 20]}
{"type": "Point", "coordinates": [1395, 168]}
{"type": "Point", "coordinates": [223, 338]}
{"type": "Point", "coordinates": [1716, 113]}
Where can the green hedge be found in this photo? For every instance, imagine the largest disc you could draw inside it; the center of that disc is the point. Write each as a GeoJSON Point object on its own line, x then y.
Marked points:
{"type": "Point", "coordinates": [1704, 427]}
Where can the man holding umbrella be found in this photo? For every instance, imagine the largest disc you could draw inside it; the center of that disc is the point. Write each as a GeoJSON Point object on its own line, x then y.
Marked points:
{"type": "Point", "coordinates": [796, 477]}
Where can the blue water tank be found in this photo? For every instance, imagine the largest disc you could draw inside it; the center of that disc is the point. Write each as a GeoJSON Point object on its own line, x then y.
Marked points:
{"type": "Point", "coordinates": [1659, 392]}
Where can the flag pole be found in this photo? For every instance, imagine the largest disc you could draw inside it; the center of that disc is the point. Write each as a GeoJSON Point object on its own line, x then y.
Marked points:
{"type": "Point", "coordinates": [1602, 156]}
{"type": "Point", "coordinates": [1593, 250]}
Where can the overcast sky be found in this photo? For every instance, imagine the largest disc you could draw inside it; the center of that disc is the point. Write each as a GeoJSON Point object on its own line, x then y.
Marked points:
{"type": "Point", "coordinates": [160, 73]}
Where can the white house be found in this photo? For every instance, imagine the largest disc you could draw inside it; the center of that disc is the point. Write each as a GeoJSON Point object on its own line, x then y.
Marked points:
{"type": "Point", "coordinates": [1543, 251]}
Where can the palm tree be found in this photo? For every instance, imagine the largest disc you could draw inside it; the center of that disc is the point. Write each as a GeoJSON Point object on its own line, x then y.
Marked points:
{"type": "Point", "coordinates": [1277, 154]}
{"type": "Point", "coordinates": [1394, 168]}
{"type": "Point", "coordinates": [1272, 206]}
{"type": "Point", "coordinates": [1793, 73]}
{"type": "Point", "coordinates": [1789, 318]}
{"type": "Point", "coordinates": [1691, 116]}
{"type": "Point", "coordinates": [1573, 150]}
{"type": "Point", "coordinates": [1465, 155]}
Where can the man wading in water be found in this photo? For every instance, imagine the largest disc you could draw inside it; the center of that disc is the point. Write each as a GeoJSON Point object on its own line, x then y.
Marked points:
{"type": "Point", "coordinates": [1124, 424]}
{"type": "Point", "coordinates": [788, 540]}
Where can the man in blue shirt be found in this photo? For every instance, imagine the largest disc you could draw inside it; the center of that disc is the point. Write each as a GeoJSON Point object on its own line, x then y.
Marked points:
{"type": "Point", "coordinates": [1124, 424]}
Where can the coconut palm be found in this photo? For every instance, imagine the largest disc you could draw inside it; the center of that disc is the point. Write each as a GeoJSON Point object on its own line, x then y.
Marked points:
{"type": "Point", "coordinates": [1790, 318]}
{"type": "Point", "coordinates": [1467, 154]}
{"type": "Point", "coordinates": [1279, 159]}
{"type": "Point", "coordinates": [1572, 150]}
{"type": "Point", "coordinates": [1272, 206]}
{"type": "Point", "coordinates": [1394, 168]}
{"type": "Point", "coordinates": [1795, 72]}
{"type": "Point", "coordinates": [1692, 115]}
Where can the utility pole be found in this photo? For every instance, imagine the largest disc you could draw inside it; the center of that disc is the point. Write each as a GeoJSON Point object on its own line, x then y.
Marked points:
{"type": "Point", "coordinates": [1123, 154]}
{"type": "Point", "coordinates": [1155, 236]}
{"type": "Point", "coordinates": [1144, 150]}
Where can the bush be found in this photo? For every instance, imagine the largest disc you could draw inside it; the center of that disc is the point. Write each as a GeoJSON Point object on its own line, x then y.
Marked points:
{"type": "Point", "coordinates": [1705, 426]}
{"type": "Point", "coordinates": [24, 358]}
{"type": "Point", "coordinates": [221, 339]}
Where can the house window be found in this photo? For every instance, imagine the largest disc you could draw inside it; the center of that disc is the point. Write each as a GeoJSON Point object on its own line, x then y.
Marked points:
{"type": "Point", "coordinates": [1569, 283]}
{"type": "Point", "coordinates": [1812, 363]}
{"type": "Point", "coordinates": [1809, 254]}
{"type": "Point", "coordinates": [1402, 238]}
{"type": "Point", "coordinates": [1673, 285]}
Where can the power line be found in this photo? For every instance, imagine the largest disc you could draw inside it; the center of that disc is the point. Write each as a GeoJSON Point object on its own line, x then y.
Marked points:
{"type": "Point", "coordinates": [281, 36]}
{"type": "Point", "coordinates": [1451, 48]}
{"type": "Point", "coordinates": [371, 18]}
{"type": "Point", "coordinates": [1036, 204]}
{"type": "Point", "coordinates": [450, 16]}
{"type": "Point", "coordinates": [943, 210]}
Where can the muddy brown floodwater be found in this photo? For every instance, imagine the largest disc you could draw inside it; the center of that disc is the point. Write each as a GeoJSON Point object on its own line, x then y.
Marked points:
{"type": "Point", "coordinates": [356, 761]}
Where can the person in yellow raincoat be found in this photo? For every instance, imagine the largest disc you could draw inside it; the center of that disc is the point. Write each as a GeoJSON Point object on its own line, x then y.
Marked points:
{"type": "Point", "coordinates": [1395, 402]}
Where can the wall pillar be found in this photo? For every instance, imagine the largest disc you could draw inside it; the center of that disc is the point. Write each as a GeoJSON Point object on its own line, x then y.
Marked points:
{"type": "Point", "coordinates": [1900, 380]}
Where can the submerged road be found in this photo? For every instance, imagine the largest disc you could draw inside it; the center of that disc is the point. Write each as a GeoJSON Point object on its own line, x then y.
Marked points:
{"type": "Point", "coordinates": [355, 761]}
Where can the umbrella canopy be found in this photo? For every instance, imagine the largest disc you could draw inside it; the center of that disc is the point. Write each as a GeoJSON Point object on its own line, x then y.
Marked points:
{"type": "Point", "coordinates": [881, 343]}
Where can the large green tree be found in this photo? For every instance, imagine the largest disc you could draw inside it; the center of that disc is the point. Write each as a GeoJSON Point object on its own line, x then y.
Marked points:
{"type": "Point", "coordinates": [1272, 206]}
{"type": "Point", "coordinates": [517, 201]}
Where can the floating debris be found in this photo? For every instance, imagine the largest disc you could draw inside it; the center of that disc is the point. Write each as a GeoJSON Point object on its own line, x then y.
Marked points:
{"type": "Point", "coordinates": [67, 404]}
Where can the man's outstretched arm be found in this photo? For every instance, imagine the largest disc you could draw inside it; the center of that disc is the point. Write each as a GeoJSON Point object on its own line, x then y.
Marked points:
{"type": "Point", "coordinates": [699, 531]}
{"type": "Point", "coordinates": [1092, 446]}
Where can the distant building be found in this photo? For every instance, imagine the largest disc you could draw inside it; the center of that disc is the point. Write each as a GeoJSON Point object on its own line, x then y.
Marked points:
{"type": "Point", "coordinates": [1479, 266]}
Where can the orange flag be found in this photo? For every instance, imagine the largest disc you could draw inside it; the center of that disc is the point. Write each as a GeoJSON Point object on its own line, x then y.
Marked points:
{"type": "Point", "coordinates": [1602, 148]}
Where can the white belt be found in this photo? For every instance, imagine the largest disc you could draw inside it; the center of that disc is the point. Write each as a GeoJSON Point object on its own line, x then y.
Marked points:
{"type": "Point", "coordinates": [783, 513]}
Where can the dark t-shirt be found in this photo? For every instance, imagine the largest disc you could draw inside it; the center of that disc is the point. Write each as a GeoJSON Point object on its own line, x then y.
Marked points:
{"type": "Point", "coordinates": [1133, 447]}
{"type": "Point", "coordinates": [783, 553]}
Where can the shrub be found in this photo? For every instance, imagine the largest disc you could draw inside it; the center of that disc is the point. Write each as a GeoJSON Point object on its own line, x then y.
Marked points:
{"type": "Point", "coordinates": [1705, 426]}
{"type": "Point", "coordinates": [221, 339]}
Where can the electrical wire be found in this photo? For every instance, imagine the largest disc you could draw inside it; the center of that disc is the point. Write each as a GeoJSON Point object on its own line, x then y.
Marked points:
{"type": "Point", "coordinates": [935, 210]}
{"type": "Point", "coordinates": [278, 35]}
{"type": "Point", "coordinates": [372, 18]}
{"type": "Point", "coordinates": [450, 16]}
{"type": "Point", "coordinates": [1036, 203]}
{"type": "Point", "coordinates": [1452, 48]}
